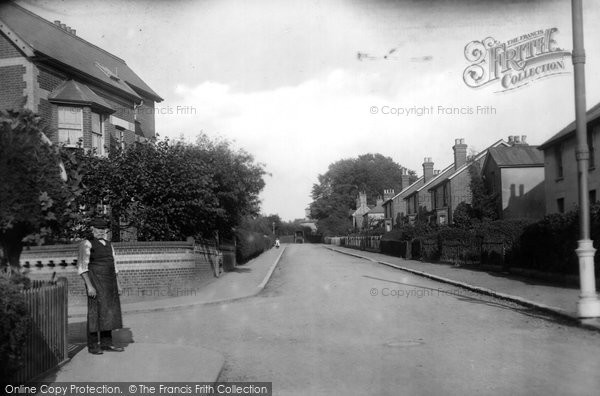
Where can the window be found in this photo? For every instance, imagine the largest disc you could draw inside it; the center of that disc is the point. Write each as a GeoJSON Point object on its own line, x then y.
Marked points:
{"type": "Point", "coordinates": [592, 196]}
{"type": "Point", "coordinates": [120, 135]}
{"type": "Point", "coordinates": [560, 204]}
{"type": "Point", "coordinates": [97, 134]}
{"type": "Point", "coordinates": [590, 142]}
{"type": "Point", "coordinates": [558, 156]}
{"type": "Point", "coordinates": [442, 220]}
{"type": "Point", "coordinates": [70, 126]}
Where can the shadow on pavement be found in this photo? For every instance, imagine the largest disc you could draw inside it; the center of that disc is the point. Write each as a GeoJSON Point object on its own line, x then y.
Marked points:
{"type": "Point", "coordinates": [77, 335]}
{"type": "Point", "coordinates": [240, 270]}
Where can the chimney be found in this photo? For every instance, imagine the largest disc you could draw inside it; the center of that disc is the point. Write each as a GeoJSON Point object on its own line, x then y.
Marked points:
{"type": "Point", "coordinates": [404, 178]}
{"type": "Point", "coordinates": [63, 26]}
{"type": "Point", "coordinates": [427, 169]}
{"type": "Point", "coordinates": [517, 139]}
{"type": "Point", "coordinates": [388, 194]}
{"type": "Point", "coordinates": [511, 140]}
{"type": "Point", "coordinates": [361, 201]}
{"type": "Point", "coordinates": [379, 201]}
{"type": "Point", "coordinates": [57, 23]}
{"type": "Point", "coordinates": [460, 153]}
{"type": "Point", "coordinates": [74, 32]}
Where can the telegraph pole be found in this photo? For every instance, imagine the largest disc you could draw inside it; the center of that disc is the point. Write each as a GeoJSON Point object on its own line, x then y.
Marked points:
{"type": "Point", "coordinates": [588, 305]}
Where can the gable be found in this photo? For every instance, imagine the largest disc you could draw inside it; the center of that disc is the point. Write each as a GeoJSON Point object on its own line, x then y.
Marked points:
{"type": "Point", "coordinates": [7, 48]}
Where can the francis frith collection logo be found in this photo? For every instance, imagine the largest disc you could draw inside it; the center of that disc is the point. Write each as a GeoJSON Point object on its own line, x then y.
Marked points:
{"type": "Point", "coordinates": [515, 63]}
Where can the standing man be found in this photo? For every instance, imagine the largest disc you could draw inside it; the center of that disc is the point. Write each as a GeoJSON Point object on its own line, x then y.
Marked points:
{"type": "Point", "coordinates": [96, 264]}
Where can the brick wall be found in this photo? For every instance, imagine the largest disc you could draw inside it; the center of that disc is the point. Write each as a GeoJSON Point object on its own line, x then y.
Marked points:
{"type": "Point", "coordinates": [12, 75]}
{"type": "Point", "coordinates": [87, 127]}
{"type": "Point", "coordinates": [146, 269]}
{"type": "Point", "coordinates": [7, 48]}
{"type": "Point", "coordinates": [460, 190]}
{"type": "Point", "coordinates": [12, 86]}
{"type": "Point", "coordinates": [49, 79]}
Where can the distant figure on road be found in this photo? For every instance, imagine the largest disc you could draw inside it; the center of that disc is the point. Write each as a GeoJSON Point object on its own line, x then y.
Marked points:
{"type": "Point", "coordinates": [277, 243]}
{"type": "Point", "coordinates": [96, 265]}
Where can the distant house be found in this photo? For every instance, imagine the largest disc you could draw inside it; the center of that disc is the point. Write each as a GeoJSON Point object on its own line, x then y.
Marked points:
{"type": "Point", "coordinates": [418, 200]}
{"type": "Point", "coordinates": [374, 215]}
{"type": "Point", "coordinates": [394, 205]}
{"type": "Point", "coordinates": [452, 185]}
{"type": "Point", "coordinates": [516, 173]}
{"type": "Point", "coordinates": [86, 96]}
{"type": "Point", "coordinates": [404, 204]}
{"type": "Point", "coordinates": [361, 209]}
{"type": "Point", "coordinates": [560, 165]}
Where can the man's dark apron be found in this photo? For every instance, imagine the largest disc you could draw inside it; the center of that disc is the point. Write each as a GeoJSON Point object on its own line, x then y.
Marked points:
{"type": "Point", "coordinates": [104, 311]}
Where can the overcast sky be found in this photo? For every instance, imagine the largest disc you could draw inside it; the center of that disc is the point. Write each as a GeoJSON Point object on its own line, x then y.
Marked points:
{"type": "Point", "coordinates": [283, 80]}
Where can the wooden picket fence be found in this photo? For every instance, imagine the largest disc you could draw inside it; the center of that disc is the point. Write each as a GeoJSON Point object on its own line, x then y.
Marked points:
{"type": "Point", "coordinates": [47, 344]}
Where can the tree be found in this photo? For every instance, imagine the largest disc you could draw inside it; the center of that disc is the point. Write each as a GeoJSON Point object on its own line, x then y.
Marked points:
{"type": "Point", "coordinates": [171, 190]}
{"type": "Point", "coordinates": [334, 196]}
{"type": "Point", "coordinates": [483, 203]}
{"type": "Point", "coordinates": [36, 202]}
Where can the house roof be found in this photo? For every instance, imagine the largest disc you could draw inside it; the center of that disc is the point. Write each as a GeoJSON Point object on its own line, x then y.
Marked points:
{"type": "Point", "coordinates": [52, 43]}
{"type": "Point", "coordinates": [591, 115]}
{"type": "Point", "coordinates": [517, 156]}
{"type": "Point", "coordinates": [444, 173]}
{"type": "Point", "coordinates": [449, 173]}
{"type": "Point", "coordinates": [408, 190]}
{"type": "Point", "coordinates": [376, 209]}
{"type": "Point", "coordinates": [72, 92]}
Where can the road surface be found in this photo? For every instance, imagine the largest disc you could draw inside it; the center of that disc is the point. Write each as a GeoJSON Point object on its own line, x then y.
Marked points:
{"type": "Point", "coordinates": [331, 324]}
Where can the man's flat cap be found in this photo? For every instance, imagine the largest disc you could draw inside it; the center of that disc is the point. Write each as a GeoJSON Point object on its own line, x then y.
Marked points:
{"type": "Point", "coordinates": [99, 223]}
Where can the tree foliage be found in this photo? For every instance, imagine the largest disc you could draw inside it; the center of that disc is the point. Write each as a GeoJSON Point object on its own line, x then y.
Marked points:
{"type": "Point", "coordinates": [35, 202]}
{"type": "Point", "coordinates": [168, 191]}
{"type": "Point", "coordinates": [335, 193]}
{"type": "Point", "coordinates": [484, 203]}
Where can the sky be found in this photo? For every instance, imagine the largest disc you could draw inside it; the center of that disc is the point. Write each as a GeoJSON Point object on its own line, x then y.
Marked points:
{"type": "Point", "coordinates": [283, 80]}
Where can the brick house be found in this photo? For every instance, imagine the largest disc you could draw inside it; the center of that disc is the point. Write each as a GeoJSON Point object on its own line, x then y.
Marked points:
{"type": "Point", "coordinates": [516, 174]}
{"type": "Point", "coordinates": [394, 205]}
{"type": "Point", "coordinates": [417, 200]}
{"type": "Point", "coordinates": [451, 186]}
{"type": "Point", "coordinates": [560, 166]}
{"type": "Point", "coordinates": [374, 215]}
{"type": "Point", "coordinates": [84, 94]}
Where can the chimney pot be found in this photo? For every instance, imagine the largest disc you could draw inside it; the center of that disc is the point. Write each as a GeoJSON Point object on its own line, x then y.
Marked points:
{"type": "Point", "coordinates": [511, 139]}
{"type": "Point", "coordinates": [517, 139]}
{"type": "Point", "coordinates": [57, 22]}
{"type": "Point", "coordinates": [523, 139]}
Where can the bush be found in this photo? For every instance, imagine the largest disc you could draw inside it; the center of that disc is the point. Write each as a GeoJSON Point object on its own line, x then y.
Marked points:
{"type": "Point", "coordinates": [13, 327]}
{"type": "Point", "coordinates": [250, 244]}
{"type": "Point", "coordinates": [550, 244]}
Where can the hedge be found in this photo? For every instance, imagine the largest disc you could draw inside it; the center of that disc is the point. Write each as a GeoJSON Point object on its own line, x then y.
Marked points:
{"type": "Point", "coordinates": [13, 326]}
{"type": "Point", "coordinates": [250, 244]}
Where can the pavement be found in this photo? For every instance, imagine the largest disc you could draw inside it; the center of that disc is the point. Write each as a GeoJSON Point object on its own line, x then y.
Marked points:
{"type": "Point", "coordinates": [158, 362]}
{"type": "Point", "coordinates": [552, 298]}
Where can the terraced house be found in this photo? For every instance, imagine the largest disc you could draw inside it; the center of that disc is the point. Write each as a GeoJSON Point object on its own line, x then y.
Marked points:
{"type": "Point", "coordinates": [86, 96]}
{"type": "Point", "coordinates": [452, 185]}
